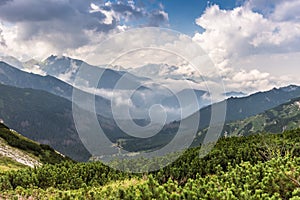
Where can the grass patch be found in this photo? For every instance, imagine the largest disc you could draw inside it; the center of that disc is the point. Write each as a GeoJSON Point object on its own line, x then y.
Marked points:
{"type": "Point", "coordinates": [7, 164]}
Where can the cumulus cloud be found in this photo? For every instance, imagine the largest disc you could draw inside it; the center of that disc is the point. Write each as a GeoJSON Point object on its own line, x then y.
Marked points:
{"type": "Point", "coordinates": [250, 80]}
{"type": "Point", "coordinates": [66, 25]}
{"type": "Point", "coordinates": [255, 28]}
{"type": "Point", "coordinates": [287, 11]}
{"type": "Point", "coordinates": [241, 32]}
{"type": "Point", "coordinates": [156, 17]}
{"type": "Point", "coordinates": [279, 10]}
{"type": "Point", "coordinates": [265, 7]}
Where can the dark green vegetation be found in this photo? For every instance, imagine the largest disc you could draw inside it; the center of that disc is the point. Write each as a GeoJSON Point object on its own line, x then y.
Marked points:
{"type": "Point", "coordinates": [244, 107]}
{"type": "Point", "coordinates": [42, 117]}
{"type": "Point", "coordinates": [44, 153]}
{"type": "Point", "coordinates": [265, 166]}
{"type": "Point", "coordinates": [276, 120]}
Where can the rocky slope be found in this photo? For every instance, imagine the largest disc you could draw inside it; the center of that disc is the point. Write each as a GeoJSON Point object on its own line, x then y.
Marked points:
{"type": "Point", "coordinates": [17, 151]}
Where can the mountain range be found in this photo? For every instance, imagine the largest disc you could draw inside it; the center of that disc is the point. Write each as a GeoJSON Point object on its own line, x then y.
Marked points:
{"type": "Point", "coordinates": [241, 108]}
{"type": "Point", "coordinates": [48, 119]}
{"type": "Point", "coordinates": [12, 76]}
{"type": "Point", "coordinates": [40, 107]}
{"type": "Point", "coordinates": [58, 76]}
{"type": "Point", "coordinates": [236, 109]}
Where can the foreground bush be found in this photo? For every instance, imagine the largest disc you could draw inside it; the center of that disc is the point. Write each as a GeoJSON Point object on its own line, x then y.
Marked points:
{"type": "Point", "coordinates": [276, 179]}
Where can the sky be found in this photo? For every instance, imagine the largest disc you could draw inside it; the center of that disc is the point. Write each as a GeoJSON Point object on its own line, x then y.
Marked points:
{"type": "Point", "coordinates": [254, 43]}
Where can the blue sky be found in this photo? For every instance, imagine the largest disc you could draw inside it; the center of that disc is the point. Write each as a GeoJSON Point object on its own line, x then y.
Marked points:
{"type": "Point", "coordinates": [182, 14]}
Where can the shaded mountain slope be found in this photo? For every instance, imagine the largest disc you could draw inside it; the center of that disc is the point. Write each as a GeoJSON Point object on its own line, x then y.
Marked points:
{"type": "Point", "coordinates": [42, 117]}
{"type": "Point", "coordinates": [241, 108]}
{"type": "Point", "coordinates": [12, 76]}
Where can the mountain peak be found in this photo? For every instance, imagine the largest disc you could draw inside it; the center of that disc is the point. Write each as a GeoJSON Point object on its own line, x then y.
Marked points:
{"type": "Point", "coordinates": [234, 94]}
{"type": "Point", "coordinates": [55, 57]}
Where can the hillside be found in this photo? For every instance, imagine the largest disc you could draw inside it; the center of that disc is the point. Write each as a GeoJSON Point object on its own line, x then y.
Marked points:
{"type": "Point", "coordinates": [237, 109]}
{"type": "Point", "coordinates": [48, 119]}
{"type": "Point", "coordinates": [16, 151]}
{"type": "Point", "coordinates": [42, 117]}
{"type": "Point", "coordinates": [244, 107]}
{"type": "Point", "coordinates": [263, 166]}
{"type": "Point", "coordinates": [12, 76]}
{"type": "Point", "coordinates": [276, 120]}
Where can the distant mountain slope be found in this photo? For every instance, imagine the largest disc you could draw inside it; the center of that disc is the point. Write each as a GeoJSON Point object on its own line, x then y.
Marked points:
{"type": "Point", "coordinates": [66, 69]}
{"type": "Point", "coordinates": [12, 61]}
{"type": "Point", "coordinates": [235, 94]}
{"type": "Point", "coordinates": [237, 109]}
{"type": "Point", "coordinates": [42, 117]}
{"type": "Point", "coordinates": [242, 108]}
{"type": "Point", "coordinates": [10, 75]}
{"type": "Point", "coordinates": [16, 151]}
{"type": "Point", "coordinates": [276, 120]}
{"type": "Point", "coordinates": [187, 101]}
{"type": "Point", "coordinates": [186, 96]}
{"type": "Point", "coordinates": [48, 119]}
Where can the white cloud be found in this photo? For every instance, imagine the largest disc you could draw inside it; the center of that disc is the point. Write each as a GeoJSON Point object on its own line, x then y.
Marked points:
{"type": "Point", "coordinates": [39, 28]}
{"type": "Point", "coordinates": [249, 80]}
{"type": "Point", "coordinates": [35, 69]}
{"type": "Point", "coordinates": [232, 36]}
{"type": "Point", "coordinates": [287, 11]}
{"type": "Point", "coordinates": [23, 50]}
